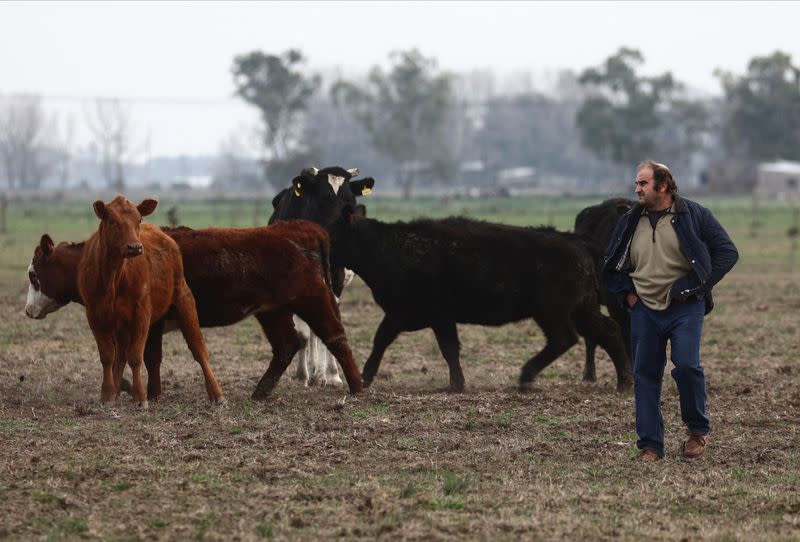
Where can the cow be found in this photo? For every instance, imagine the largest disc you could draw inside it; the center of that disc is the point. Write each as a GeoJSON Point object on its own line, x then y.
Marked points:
{"type": "Point", "coordinates": [437, 273]}
{"type": "Point", "coordinates": [319, 195]}
{"type": "Point", "coordinates": [270, 272]}
{"type": "Point", "coordinates": [595, 224]}
{"type": "Point", "coordinates": [129, 276]}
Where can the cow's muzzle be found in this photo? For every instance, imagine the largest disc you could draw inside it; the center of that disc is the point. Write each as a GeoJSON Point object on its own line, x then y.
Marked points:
{"type": "Point", "coordinates": [133, 250]}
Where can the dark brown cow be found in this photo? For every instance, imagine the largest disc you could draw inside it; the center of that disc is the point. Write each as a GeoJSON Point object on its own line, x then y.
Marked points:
{"type": "Point", "coordinates": [131, 275]}
{"type": "Point", "coordinates": [271, 272]}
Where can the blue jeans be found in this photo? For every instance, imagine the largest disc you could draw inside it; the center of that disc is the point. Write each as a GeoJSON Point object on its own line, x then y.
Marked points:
{"type": "Point", "coordinates": [682, 324]}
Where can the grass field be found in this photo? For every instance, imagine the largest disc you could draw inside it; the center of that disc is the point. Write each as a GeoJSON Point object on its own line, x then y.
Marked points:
{"type": "Point", "coordinates": [403, 460]}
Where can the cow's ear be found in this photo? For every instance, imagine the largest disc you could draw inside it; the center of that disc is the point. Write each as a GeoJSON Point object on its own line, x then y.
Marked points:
{"type": "Point", "coordinates": [361, 211]}
{"type": "Point", "coordinates": [353, 172]}
{"type": "Point", "coordinates": [100, 209]}
{"type": "Point", "coordinates": [362, 187]}
{"type": "Point", "coordinates": [46, 244]}
{"type": "Point", "coordinates": [278, 197]}
{"type": "Point", "coordinates": [147, 207]}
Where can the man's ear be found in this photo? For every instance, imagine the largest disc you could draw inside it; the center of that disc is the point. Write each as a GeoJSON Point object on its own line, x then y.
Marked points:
{"type": "Point", "coordinates": [46, 244]}
{"type": "Point", "coordinates": [147, 207]}
{"type": "Point", "coordinates": [362, 187]}
{"type": "Point", "coordinates": [100, 209]}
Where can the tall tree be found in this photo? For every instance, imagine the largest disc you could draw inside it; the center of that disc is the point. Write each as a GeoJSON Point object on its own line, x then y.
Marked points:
{"type": "Point", "coordinates": [405, 111]}
{"type": "Point", "coordinates": [628, 116]}
{"type": "Point", "coordinates": [276, 86]}
{"type": "Point", "coordinates": [109, 123]}
{"type": "Point", "coordinates": [761, 113]}
{"type": "Point", "coordinates": [26, 141]}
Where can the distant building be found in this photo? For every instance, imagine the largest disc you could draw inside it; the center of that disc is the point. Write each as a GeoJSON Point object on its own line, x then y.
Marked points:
{"type": "Point", "coordinates": [779, 179]}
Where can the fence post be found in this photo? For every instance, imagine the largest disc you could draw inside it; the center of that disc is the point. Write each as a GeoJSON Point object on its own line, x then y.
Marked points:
{"type": "Point", "coordinates": [3, 206]}
{"type": "Point", "coordinates": [755, 222]}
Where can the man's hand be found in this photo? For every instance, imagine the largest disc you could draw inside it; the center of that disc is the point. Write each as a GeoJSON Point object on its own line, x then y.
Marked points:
{"type": "Point", "coordinates": [631, 298]}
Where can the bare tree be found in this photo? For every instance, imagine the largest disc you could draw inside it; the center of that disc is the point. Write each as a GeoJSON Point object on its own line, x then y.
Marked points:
{"type": "Point", "coordinates": [109, 123]}
{"type": "Point", "coordinates": [26, 153]}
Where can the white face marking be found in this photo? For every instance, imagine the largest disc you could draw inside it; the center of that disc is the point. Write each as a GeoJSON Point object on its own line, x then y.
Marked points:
{"type": "Point", "coordinates": [336, 182]}
{"type": "Point", "coordinates": [353, 172]}
{"type": "Point", "coordinates": [38, 305]}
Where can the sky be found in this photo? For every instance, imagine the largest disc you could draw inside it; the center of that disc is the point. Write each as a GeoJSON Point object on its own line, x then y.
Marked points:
{"type": "Point", "coordinates": [170, 61]}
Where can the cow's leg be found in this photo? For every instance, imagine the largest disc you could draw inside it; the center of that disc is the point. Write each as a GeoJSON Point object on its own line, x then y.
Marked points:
{"type": "Point", "coordinates": [622, 317]}
{"type": "Point", "coordinates": [280, 331]}
{"type": "Point", "coordinates": [152, 360]}
{"type": "Point", "coordinates": [330, 370]}
{"type": "Point", "coordinates": [304, 354]}
{"type": "Point", "coordinates": [447, 337]}
{"type": "Point", "coordinates": [603, 330]}
{"type": "Point", "coordinates": [107, 351]}
{"type": "Point", "coordinates": [560, 335]}
{"type": "Point", "coordinates": [135, 357]}
{"type": "Point", "coordinates": [589, 369]}
{"type": "Point", "coordinates": [186, 314]}
{"type": "Point", "coordinates": [322, 315]}
{"type": "Point", "coordinates": [385, 335]}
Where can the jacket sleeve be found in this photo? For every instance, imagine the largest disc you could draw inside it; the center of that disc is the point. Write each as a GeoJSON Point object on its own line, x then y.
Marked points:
{"type": "Point", "coordinates": [616, 281]}
{"type": "Point", "coordinates": [723, 252]}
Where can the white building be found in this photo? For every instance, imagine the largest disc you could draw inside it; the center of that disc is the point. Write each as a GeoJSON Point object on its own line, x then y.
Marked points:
{"type": "Point", "coordinates": [779, 179]}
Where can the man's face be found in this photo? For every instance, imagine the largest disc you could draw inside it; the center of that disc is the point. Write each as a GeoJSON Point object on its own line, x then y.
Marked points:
{"type": "Point", "coordinates": [646, 189]}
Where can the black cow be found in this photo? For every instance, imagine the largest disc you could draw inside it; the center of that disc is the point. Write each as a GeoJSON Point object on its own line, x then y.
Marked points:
{"type": "Point", "coordinates": [437, 273]}
{"type": "Point", "coordinates": [319, 195]}
{"type": "Point", "coordinates": [595, 224]}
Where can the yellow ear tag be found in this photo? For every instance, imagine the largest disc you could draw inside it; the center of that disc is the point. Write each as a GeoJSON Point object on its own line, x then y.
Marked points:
{"type": "Point", "coordinates": [297, 190]}
{"type": "Point", "coordinates": [366, 191]}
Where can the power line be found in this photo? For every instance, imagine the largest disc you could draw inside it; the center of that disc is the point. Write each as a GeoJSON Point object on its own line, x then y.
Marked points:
{"type": "Point", "coordinates": [142, 100]}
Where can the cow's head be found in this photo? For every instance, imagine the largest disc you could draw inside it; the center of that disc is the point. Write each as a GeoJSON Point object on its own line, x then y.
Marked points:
{"type": "Point", "coordinates": [320, 195]}
{"type": "Point", "coordinates": [119, 225]}
{"type": "Point", "coordinates": [50, 285]}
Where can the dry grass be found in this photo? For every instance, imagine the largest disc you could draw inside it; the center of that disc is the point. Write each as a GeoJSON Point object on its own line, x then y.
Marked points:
{"type": "Point", "coordinates": [404, 460]}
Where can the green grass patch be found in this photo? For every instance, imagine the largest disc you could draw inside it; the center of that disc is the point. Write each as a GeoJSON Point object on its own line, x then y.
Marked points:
{"type": "Point", "coordinates": [445, 504]}
{"type": "Point", "coordinates": [117, 486]}
{"type": "Point", "coordinates": [158, 523]}
{"type": "Point", "coordinates": [454, 485]}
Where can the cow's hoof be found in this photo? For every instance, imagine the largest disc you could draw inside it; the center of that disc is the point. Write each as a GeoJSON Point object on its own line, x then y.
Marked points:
{"type": "Point", "coordinates": [455, 389]}
{"type": "Point", "coordinates": [589, 379]}
{"type": "Point", "coordinates": [526, 387]}
{"type": "Point", "coordinates": [219, 401]}
{"type": "Point", "coordinates": [335, 382]}
{"type": "Point", "coordinates": [625, 387]}
{"type": "Point", "coordinates": [142, 405]}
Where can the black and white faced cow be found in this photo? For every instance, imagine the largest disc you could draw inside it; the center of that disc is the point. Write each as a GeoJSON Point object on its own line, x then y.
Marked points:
{"type": "Point", "coordinates": [320, 195]}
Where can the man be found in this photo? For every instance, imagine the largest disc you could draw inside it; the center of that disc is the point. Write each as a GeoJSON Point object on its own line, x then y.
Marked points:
{"type": "Point", "coordinates": [663, 259]}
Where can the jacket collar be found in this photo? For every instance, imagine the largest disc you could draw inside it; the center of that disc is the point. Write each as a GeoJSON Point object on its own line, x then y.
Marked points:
{"type": "Point", "coordinates": [678, 204]}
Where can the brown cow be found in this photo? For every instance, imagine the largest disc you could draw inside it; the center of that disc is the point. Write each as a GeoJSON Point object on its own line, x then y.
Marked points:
{"type": "Point", "coordinates": [124, 294]}
{"type": "Point", "coordinates": [271, 272]}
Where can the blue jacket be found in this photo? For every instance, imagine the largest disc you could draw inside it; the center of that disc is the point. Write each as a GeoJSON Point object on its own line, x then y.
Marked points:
{"type": "Point", "coordinates": [702, 239]}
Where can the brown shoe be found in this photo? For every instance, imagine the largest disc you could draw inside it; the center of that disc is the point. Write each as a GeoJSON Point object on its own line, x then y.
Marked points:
{"type": "Point", "coordinates": [649, 455]}
{"type": "Point", "coordinates": [695, 446]}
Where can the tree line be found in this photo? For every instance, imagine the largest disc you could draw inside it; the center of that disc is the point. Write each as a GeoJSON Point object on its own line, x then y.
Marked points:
{"type": "Point", "coordinates": [414, 122]}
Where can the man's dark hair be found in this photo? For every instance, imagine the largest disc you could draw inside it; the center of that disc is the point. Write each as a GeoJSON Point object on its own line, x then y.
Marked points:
{"type": "Point", "coordinates": [661, 175]}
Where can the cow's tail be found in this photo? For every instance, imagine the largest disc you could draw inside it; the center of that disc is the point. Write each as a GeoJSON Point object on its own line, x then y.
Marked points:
{"type": "Point", "coordinates": [325, 261]}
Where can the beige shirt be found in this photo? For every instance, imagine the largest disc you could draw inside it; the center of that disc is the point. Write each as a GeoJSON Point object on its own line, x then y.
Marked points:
{"type": "Point", "coordinates": [657, 261]}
